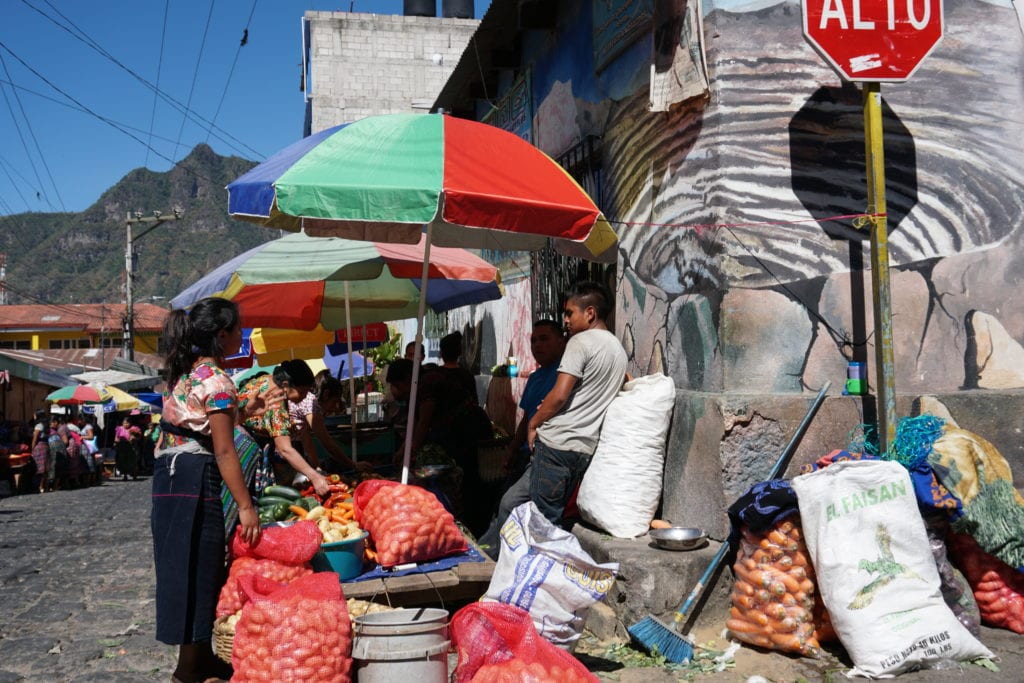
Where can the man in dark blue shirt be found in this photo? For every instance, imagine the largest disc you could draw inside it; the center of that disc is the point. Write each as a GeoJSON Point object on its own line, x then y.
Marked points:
{"type": "Point", "coordinates": [547, 343]}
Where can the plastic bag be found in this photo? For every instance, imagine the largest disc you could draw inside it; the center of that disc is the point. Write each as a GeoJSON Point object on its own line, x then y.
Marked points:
{"type": "Point", "coordinates": [775, 604]}
{"type": "Point", "coordinates": [868, 545]}
{"type": "Point", "coordinates": [233, 598]}
{"type": "Point", "coordinates": [544, 570]}
{"type": "Point", "coordinates": [497, 642]}
{"type": "Point", "coordinates": [956, 590]}
{"type": "Point", "coordinates": [364, 492]}
{"type": "Point", "coordinates": [294, 544]}
{"type": "Point", "coordinates": [622, 486]}
{"type": "Point", "coordinates": [298, 632]}
{"type": "Point", "coordinates": [409, 524]}
{"type": "Point", "coordinates": [998, 587]}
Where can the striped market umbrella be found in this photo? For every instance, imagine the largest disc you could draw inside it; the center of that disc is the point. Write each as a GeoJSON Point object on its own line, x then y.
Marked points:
{"type": "Point", "coordinates": [384, 177]}
{"type": "Point", "coordinates": [298, 282]}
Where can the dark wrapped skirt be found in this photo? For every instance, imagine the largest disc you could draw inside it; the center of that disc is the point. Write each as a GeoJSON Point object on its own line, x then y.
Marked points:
{"type": "Point", "coordinates": [188, 546]}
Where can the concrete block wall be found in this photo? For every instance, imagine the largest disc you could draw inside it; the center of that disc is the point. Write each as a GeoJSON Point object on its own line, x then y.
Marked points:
{"type": "Point", "coordinates": [368, 64]}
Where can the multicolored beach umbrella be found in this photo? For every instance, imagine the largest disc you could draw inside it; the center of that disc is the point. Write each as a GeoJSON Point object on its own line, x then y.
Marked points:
{"type": "Point", "coordinates": [298, 282]}
{"type": "Point", "coordinates": [384, 177]}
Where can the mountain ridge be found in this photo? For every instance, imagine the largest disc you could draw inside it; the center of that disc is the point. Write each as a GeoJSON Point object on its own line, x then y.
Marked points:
{"type": "Point", "coordinates": [78, 257]}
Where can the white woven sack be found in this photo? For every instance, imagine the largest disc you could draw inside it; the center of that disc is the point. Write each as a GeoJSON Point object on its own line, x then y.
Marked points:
{"type": "Point", "coordinates": [621, 488]}
{"type": "Point", "coordinates": [544, 570]}
{"type": "Point", "coordinates": [875, 570]}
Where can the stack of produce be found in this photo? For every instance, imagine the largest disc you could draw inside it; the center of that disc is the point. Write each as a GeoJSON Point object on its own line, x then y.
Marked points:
{"type": "Point", "coordinates": [282, 555]}
{"type": "Point", "coordinates": [774, 601]}
{"type": "Point", "coordinates": [406, 523]}
{"type": "Point", "coordinates": [998, 587]}
{"type": "Point", "coordinates": [231, 596]}
{"type": "Point", "coordinates": [497, 642]}
{"type": "Point", "coordinates": [276, 502]}
{"type": "Point", "coordinates": [298, 632]}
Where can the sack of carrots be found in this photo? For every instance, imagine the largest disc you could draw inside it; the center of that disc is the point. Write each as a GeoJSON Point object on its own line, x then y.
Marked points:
{"type": "Point", "coordinates": [774, 600]}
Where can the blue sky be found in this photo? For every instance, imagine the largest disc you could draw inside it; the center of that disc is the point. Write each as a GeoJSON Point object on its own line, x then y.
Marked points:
{"type": "Point", "coordinates": [55, 155]}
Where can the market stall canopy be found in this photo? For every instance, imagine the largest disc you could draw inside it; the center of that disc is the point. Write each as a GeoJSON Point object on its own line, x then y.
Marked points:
{"type": "Point", "coordinates": [109, 397]}
{"type": "Point", "coordinates": [299, 282]}
{"type": "Point", "coordinates": [124, 380]}
{"type": "Point", "coordinates": [383, 177]}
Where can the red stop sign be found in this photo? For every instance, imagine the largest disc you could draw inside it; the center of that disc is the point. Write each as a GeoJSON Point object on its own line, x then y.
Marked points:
{"type": "Point", "coordinates": [873, 40]}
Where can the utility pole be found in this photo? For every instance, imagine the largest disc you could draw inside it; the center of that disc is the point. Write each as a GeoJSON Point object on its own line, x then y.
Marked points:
{"type": "Point", "coordinates": [157, 219]}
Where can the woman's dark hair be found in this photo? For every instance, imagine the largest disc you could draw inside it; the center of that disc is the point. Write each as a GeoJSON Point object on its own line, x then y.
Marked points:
{"type": "Point", "coordinates": [328, 387]}
{"type": "Point", "coordinates": [591, 294]}
{"type": "Point", "coordinates": [41, 415]}
{"type": "Point", "coordinates": [451, 347]}
{"type": "Point", "coordinates": [190, 335]}
{"type": "Point", "coordinates": [399, 370]}
{"type": "Point", "coordinates": [295, 372]}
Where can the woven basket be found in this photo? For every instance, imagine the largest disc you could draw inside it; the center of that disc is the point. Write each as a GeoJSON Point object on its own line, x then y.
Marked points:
{"type": "Point", "coordinates": [489, 455]}
{"type": "Point", "coordinates": [223, 638]}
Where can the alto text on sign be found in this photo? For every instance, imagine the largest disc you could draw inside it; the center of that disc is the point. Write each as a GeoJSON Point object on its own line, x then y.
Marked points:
{"type": "Point", "coordinates": [873, 40]}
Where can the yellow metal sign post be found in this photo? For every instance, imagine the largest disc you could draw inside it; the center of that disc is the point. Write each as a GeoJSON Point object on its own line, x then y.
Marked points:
{"type": "Point", "coordinates": [874, 149]}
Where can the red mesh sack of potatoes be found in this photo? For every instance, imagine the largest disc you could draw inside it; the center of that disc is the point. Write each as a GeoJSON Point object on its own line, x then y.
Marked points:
{"type": "Point", "coordinates": [293, 544]}
{"type": "Point", "coordinates": [409, 524]}
{"type": "Point", "coordinates": [497, 642]}
{"type": "Point", "coordinates": [364, 492]}
{"type": "Point", "coordinates": [774, 600]}
{"type": "Point", "coordinates": [298, 632]}
{"type": "Point", "coordinates": [233, 598]}
{"type": "Point", "coordinates": [998, 588]}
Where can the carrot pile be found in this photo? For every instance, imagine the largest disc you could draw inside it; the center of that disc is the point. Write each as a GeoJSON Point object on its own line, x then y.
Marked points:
{"type": "Point", "coordinates": [774, 602]}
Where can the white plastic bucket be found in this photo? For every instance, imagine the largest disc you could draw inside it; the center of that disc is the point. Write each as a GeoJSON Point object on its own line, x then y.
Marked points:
{"type": "Point", "coordinates": [405, 644]}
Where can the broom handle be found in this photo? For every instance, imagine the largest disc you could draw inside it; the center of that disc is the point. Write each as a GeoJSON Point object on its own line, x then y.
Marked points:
{"type": "Point", "coordinates": [777, 469]}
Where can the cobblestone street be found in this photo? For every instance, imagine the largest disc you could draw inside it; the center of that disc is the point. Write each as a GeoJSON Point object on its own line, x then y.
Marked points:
{"type": "Point", "coordinates": [77, 587]}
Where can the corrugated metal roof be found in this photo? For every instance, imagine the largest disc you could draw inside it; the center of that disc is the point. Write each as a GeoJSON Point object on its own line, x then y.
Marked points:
{"type": "Point", "coordinates": [86, 317]}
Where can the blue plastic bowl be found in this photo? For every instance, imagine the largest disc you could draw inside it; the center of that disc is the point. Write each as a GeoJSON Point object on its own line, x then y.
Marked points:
{"type": "Point", "coordinates": [344, 557]}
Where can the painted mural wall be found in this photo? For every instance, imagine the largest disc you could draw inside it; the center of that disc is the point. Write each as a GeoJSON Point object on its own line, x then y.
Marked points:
{"type": "Point", "coordinates": [743, 270]}
{"type": "Point", "coordinates": [734, 209]}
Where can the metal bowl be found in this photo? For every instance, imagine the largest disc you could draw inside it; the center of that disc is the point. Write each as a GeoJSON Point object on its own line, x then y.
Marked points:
{"type": "Point", "coordinates": [679, 537]}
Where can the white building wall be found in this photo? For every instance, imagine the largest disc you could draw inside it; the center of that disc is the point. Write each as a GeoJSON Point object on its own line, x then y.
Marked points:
{"type": "Point", "coordinates": [368, 64]}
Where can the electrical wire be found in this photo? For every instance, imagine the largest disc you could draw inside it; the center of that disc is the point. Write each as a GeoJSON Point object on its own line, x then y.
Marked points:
{"type": "Point", "coordinates": [195, 74]}
{"type": "Point", "coordinates": [222, 135]}
{"type": "Point", "coordinates": [19, 226]}
{"type": "Point", "coordinates": [41, 191]}
{"type": "Point", "coordinates": [80, 110]}
{"type": "Point", "coordinates": [159, 68]}
{"type": "Point", "coordinates": [4, 164]}
{"type": "Point", "coordinates": [66, 309]}
{"type": "Point", "coordinates": [231, 71]}
{"type": "Point", "coordinates": [98, 116]}
{"type": "Point", "coordinates": [35, 141]}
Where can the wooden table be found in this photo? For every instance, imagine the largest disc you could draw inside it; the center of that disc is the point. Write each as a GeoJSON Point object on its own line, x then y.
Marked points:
{"type": "Point", "coordinates": [466, 581]}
